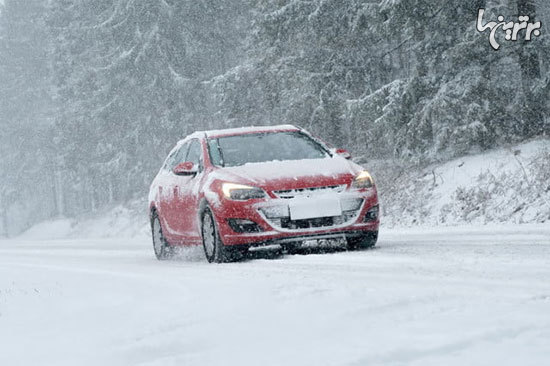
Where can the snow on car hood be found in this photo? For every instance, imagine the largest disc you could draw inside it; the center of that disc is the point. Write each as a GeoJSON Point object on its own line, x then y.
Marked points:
{"type": "Point", "coordinates": [306, 171]}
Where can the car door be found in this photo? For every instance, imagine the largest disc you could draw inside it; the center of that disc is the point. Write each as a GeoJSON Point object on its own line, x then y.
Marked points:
{"type": "Point", "coordinates": [168, 190]}
{"type": "Point", "coordinates": [187, 196]}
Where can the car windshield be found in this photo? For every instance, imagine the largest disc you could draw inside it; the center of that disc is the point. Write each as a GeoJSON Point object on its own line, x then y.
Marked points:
{"type": "Point", "coordinates": [263, 147]}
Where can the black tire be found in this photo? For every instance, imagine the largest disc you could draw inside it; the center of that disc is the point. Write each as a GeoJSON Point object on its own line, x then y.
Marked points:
{"type": "Point", "coordinates": [214, 250]}
{"type": "Point", "coordinates": [161, 247]}
{"type": "Point", "coordinates": [364, 241]}
{"type": "Point", "coordinates": [293, 249]}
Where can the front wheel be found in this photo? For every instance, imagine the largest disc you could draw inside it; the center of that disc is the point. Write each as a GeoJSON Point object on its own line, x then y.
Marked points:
{"type": "Point", "coordinates": [214, 250]}
{"type": "Point", "coordinates": [365, 241]}
{"type": "Point", "coordinates": [160, 245]}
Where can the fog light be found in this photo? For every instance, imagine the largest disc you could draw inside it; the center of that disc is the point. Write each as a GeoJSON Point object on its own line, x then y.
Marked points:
{"type": "Point", "coordinates": [243, 226]}
{"type": "Point", "coordinates": [372, 214]}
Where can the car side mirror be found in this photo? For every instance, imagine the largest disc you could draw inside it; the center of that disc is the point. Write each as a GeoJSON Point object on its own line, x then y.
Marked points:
{"type": "Point", "coordinates": [187, 168]}
{"type": "Point", "coordinates": [343, 153]}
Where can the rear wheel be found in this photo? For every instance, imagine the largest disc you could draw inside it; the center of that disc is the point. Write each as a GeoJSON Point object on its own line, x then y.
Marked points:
{"type": "Point", "coordinates": [214, 250]}
{"type": "Point", "coordinates": [365, 241]}
{"type": "Point", "coordinates": [160, 245]}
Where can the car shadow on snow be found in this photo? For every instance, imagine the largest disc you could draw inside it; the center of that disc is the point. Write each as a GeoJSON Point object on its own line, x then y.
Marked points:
{"type": "Point", "coordinates": [274, 252]}
{"type": "Point", "coordinates": [307, 249]}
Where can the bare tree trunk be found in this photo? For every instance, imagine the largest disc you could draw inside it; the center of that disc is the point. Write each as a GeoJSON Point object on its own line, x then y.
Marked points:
{"type": "Point", "coordinates": [4, 213]}
{"type": "Point", "coordinates": [533, 118]}
{"type": "Point", "coordinates": [53, 185]}
{"type": "Point", "coordinates": [60, 194]}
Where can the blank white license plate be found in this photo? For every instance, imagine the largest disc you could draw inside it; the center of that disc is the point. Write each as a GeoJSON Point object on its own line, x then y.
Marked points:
{"type": "Point", "coordinates": [309, 208]}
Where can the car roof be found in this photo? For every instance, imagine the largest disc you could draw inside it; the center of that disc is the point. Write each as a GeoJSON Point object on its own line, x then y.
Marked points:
{"type": "Point", "coordinates": [248, 130]}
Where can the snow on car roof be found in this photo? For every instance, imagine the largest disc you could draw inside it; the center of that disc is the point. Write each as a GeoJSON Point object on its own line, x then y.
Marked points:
{"type": "Point", "coordinates": [252, 129]}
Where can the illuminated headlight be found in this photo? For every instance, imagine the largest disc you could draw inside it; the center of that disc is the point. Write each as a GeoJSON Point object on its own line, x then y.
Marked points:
{"type": "Point", "coordinates": [363, 180]}
{"type": "Point", "coordinates": [239, 192]}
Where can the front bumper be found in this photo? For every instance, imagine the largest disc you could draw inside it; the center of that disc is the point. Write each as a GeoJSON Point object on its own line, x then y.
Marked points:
{"type": "Point", "coordinates": [279, 230]}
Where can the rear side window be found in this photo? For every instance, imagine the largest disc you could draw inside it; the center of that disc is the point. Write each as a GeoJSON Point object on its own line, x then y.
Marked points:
{"type": "Point", "coordinates": [177, 157]}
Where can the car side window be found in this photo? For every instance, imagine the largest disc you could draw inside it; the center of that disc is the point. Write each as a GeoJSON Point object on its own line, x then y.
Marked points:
{"type": "Point", "coordinates": [178, 157]}
{"type": "Point", "coordinates": [195, 154]}
{"type": "Point", "coordinates": [168, 160]}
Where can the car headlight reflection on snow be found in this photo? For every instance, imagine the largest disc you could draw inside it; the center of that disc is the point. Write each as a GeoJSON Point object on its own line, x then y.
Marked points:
{"type": "Point", "coordinates": [363, 180]}
{"type": "Point", "coordinates": [240, 192]}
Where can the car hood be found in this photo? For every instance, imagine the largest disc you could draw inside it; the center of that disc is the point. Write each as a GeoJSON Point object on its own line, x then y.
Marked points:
{"type": "Point", "coordinates": [292, 174]}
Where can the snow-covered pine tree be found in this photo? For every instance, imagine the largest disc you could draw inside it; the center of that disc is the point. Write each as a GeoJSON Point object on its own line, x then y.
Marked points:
{"type": "Point", "coordinates": [129, 78]}
{"type": "Point", "coordinates": [26, 170]}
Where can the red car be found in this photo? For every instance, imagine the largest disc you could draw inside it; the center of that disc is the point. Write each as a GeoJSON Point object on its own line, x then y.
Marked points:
{"type": "Point", "coordinates": [229, 190]}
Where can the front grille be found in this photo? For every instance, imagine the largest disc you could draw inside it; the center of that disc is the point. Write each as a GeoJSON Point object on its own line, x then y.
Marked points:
{"type": "Point", "coordinates": [308, 192]}
{"type": "Point", "coordinates": [287, 223]}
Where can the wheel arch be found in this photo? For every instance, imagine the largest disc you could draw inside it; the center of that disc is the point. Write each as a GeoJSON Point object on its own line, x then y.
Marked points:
{"type": "Point", "coordinates": [203, 205]}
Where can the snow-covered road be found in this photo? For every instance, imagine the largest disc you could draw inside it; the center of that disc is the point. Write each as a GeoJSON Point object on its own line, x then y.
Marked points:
{"type": "Point", "coordinates": [478, 296]}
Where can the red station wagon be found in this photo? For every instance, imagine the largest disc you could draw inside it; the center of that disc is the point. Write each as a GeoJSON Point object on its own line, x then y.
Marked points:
{"type": "Point", "coordinates": [229, 190]}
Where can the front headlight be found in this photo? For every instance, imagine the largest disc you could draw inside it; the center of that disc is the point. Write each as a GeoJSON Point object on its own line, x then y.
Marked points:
{"type": "Point", "coordinates": [239, 192]}
{"type": "Point", "coordinates": [363, 180]}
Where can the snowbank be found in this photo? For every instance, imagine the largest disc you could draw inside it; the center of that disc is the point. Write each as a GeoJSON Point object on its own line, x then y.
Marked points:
{"type": "Point", "coordinates": [119, 222]}
{"type": "Point", "coordinates": [507, 185]}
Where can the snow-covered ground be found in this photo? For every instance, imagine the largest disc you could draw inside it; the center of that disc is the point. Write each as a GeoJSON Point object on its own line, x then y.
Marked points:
{"type": "Point", "coordinates": [448, 296]}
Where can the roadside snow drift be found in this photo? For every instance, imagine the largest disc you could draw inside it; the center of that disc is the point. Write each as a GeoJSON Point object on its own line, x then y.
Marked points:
{"type": "Point", "coordinates": [508, 185]}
